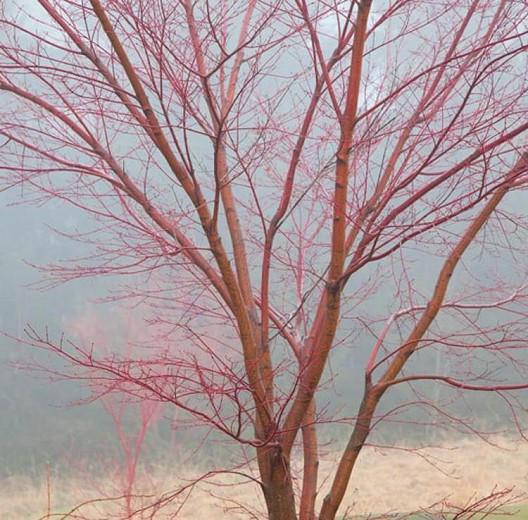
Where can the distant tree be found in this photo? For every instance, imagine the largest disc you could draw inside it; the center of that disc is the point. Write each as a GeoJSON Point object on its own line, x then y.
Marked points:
{"type": "Point", "coordinates": [122, 408]}
{"type": "Point", "coordinates": [288, 178]}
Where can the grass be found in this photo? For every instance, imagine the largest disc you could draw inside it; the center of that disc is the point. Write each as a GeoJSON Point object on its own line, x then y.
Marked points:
{"type": "Point", "coordinates": [470, 468]}
{"type": "Point", "coordinates": [518, 512]}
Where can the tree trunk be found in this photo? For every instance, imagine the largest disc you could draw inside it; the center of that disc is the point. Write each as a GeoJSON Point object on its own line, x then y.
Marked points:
{"type": "Point", "coordinates": [355, 444]}
{"type": "Point", "coordinates": [311, 465]}
{"type": "Point", "coordinates": [278, 490]}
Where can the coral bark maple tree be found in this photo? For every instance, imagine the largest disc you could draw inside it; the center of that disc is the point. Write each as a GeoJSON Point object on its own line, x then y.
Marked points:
{"type": "Point", "coordinates": [266, 168]}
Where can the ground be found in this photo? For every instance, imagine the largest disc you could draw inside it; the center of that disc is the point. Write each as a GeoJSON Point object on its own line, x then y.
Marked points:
{"type": "Point", "coordinates": [385, 481]}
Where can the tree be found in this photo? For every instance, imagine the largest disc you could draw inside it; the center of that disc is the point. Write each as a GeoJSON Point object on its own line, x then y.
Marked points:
{"type": "Point", "coordinates": [279, 172]}
{"type": "Point", "coordinates": [143, 413]}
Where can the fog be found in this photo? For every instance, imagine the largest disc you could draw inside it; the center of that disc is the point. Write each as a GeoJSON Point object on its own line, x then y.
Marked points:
{"type": "Point", "coordinates": [51, 425]}
{"type": "Point", "coordinates": [42, 421]}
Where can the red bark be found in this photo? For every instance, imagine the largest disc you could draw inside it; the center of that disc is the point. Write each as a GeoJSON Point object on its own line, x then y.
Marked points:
{"type": "Point", "coordinates": [251, 165]}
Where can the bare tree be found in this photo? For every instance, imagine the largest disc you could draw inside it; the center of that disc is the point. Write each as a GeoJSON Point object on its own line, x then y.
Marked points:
{"type": "Point", "coordinates": [273, 171]}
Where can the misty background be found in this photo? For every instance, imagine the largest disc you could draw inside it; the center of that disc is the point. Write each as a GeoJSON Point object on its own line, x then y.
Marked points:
{"type": "Point", "coordinates": [42, 423]}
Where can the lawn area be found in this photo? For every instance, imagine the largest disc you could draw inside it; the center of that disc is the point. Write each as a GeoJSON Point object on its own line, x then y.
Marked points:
{"type": "Point", "coordinates": [517, 512]}
{"type": "Point", "coordinates": [471, 469]}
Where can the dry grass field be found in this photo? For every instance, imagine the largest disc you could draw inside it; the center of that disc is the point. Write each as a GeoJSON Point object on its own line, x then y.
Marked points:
{"type": "Point", "coordinates": [386, 481]}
